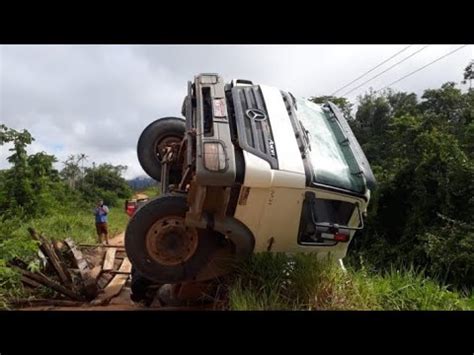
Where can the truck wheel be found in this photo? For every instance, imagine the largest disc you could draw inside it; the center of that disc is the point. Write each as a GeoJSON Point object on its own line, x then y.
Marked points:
{"type": "Point", "coordinates": [162, 248]}
{"type": "Point", "coordinates": [154, 138]}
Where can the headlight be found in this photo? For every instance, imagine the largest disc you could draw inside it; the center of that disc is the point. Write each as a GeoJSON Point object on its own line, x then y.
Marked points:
{"type": "Point", "coordinates": [214, 156]}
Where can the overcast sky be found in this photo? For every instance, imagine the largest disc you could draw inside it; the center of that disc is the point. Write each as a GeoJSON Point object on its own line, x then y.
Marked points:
{"type": "Point", "coordinates": [97, 99]}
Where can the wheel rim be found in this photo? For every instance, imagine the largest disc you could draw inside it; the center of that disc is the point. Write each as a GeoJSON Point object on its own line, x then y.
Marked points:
{"type": "Point", "coordinates": [170, 242]}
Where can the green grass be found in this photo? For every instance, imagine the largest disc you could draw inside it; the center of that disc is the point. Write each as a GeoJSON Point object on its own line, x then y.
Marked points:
{"type": "Point", "coordinates": [79, 225]}
{"type": "Point", "coordinates": [302, 282]}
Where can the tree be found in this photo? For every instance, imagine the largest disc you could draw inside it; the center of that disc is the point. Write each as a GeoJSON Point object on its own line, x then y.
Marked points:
{"type": "Point", "coordinates": [444, 106]}
{"type": "Point", "coordinates": [105, 181]}
{"type": "Point", "coordinates": [402, 103]}
{"type": "Point", "coordinates": [469, 74]}
{"type": "Point", "coordinates": [81, 158]}
{"type": "Point", "coordinates": [71, 171]}
{"type": "Point", "coordinates": [18, 191]}
{"type": "Point", "coordinates": [421, 154]}
{"type": "Point", "coordinates": [26, 186]}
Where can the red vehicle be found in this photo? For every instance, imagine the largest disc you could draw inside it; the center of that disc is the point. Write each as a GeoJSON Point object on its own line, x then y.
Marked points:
{"type": "Point", "coordinates": [131, 206]}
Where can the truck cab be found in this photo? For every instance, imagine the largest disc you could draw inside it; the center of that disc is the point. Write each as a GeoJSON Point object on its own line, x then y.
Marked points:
{"type": "Point", "coordinates": [250, 168]}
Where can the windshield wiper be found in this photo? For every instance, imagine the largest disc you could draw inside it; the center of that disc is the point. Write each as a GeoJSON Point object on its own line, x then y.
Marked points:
{"type": "Point", "coordinates": [305, 135]}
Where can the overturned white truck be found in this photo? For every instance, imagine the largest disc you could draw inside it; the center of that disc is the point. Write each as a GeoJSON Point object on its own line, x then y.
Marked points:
{"type": "Point", "coordinates": [251, 168]}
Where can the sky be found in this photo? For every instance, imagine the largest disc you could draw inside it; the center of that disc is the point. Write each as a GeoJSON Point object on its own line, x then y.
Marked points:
{"type": "Point", "coordinates": [97, 99]}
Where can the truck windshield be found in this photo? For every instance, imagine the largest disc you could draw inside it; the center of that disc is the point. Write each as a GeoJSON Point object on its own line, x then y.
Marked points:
{"type": "Point", "coordinates": [333, 163]}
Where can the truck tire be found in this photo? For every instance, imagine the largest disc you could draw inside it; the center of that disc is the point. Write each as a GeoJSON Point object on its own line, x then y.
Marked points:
{"type": "Point", "coordinates": [154, 137]}
{"type": "Point", "coordinates": [162, 248]}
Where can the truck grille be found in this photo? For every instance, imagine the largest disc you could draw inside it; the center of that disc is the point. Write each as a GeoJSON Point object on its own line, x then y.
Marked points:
{"type": "Point", "coordinates": [253, 125]}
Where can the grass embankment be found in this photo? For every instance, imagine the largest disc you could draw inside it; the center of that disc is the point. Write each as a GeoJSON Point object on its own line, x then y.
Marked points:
{"type": "Point", "coordinates": [279, 282]}
{"type": "Point", "coordinates": [80, 225]}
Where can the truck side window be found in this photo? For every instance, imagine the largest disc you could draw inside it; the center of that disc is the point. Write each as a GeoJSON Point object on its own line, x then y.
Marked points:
{"type": "Point", "coordinates": [316, 210]}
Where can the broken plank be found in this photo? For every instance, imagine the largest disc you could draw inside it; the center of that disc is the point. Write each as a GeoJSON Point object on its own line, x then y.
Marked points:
{"type": "Point", "coordinates": [90, 286]}
{"type": "Point", "coordinates": [45, 281]}
{"type": "Point", "coordinates": [95, 272]}
{"type": "Point", "coordinates": [58, 248]}
{"type": "Point", "coordinates": [109, 259]}
{"type": "Point", "coordinates": [120, 272]}
{"type": "Point", "coordinates": [116, 285]}
{"type": "Point", "coordinates": [104, 280]}
{"type": "Point", "coordinates": [29, 282]}
{"type": "Point", "coordinates": [50, 253]}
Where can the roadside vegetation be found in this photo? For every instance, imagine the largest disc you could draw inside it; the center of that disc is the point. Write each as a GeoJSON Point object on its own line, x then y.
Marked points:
{"type": "Point", "coordinates": [302, 282]}
{"type": "Point", "coordinates": [57, 204]}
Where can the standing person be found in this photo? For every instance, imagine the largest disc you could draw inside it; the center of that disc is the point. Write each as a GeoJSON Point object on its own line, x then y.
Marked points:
{"type": "Point", "coordinates": [101, 211]}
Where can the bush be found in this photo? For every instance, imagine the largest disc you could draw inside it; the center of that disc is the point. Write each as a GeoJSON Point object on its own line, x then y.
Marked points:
{"type": "Point", "coordinates": [304, 282]}
{"type": "Point", "coordinates": [451, 253]}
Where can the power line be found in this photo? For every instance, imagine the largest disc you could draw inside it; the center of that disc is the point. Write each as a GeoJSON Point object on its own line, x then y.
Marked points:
{"type": "Point", "coordinates": [371, 70]}
{"type": "Point", "coordinates": [386, 70]}
{"type": "Point", "coordinates": [423, 67]}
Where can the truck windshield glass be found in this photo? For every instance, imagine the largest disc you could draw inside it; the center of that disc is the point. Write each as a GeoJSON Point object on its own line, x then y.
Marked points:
{"type": "Point", "coordinates": [332, 163]}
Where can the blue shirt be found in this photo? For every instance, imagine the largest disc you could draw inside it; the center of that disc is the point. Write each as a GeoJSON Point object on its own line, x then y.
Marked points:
{"type": "Point", "coordinates": [101, 214]}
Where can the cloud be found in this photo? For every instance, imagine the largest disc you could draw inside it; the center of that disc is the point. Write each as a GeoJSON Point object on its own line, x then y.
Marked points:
{"type": "Point", "coordinates": [97, 99]}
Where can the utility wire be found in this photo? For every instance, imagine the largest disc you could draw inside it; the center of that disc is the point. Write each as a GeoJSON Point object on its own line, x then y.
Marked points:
{"type": "Point", "coordinates": [386, 70]}
{"type": "Point", "coordinates": [371, 70]}
{"type": "Point", "coordinates": [423, 67]}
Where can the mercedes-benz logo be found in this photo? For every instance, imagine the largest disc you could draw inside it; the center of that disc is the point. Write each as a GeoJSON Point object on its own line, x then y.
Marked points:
{"type": "Point", "coordinates": [256, 114]}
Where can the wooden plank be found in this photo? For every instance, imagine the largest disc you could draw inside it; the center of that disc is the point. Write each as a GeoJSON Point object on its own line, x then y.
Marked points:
{"type": "Point", "coordinates": [50, 253]}
{"type": "Point", "coordinates": [45, 281]}
{"type": "Point", "coordinates": [95, 272]}
{"type": "Point", "coordinates": [78, 258]}
{"type": "Point", "coordinates": [29, 282]}
{"type": "Point", "coordinates": [109, 259]}
{"type": "Point", "coordinates": [120, 272]}
{"type": "Point", "coordinates": [116, 285]}
{"type": "Point", "coordinates": [104, 280]}
{"type": "Point", "coordinates": [90, 286]}
{"type": "Point", "coordinates": [58, 248]}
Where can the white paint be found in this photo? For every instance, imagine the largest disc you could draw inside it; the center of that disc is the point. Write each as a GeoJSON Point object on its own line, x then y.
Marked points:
{"type": "Point", "coordinates": [275, 212]}
{"type": "Point", "coordinates": [289, 156]}
{"type": "Point", "coordinates": [259, 174]}
{"type": "Point", "coordinates": [257, 171]}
